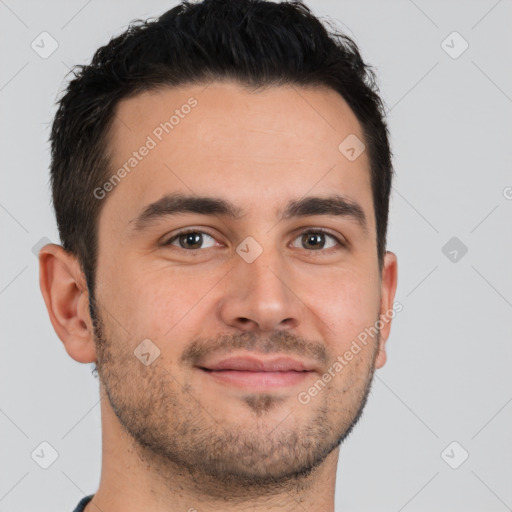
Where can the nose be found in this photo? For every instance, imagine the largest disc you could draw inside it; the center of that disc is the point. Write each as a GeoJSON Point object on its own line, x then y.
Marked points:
{"type": "Point", "coordinates": [260, 296]}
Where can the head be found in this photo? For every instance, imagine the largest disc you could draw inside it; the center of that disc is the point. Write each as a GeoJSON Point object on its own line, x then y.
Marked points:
{"type": "Point", "coordinates": [251, 122]}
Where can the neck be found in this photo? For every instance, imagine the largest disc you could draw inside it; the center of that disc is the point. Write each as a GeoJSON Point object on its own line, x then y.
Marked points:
{"type": "Point", "coordinates": [133, 480]}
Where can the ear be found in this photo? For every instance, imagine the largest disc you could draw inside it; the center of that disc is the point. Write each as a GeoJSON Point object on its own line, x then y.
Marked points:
{"type": "Point", "coordinates": [387, 296]}
{"type": "Point", "coordinates": [65, 294]}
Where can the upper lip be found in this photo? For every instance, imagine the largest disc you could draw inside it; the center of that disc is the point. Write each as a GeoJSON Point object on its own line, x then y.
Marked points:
{"type": "Point", "coordinates": [255, 364]}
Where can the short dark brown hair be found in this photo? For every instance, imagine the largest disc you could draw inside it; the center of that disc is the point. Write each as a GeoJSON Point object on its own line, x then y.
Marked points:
{"type": "Point", "coordinates": [258, 43]}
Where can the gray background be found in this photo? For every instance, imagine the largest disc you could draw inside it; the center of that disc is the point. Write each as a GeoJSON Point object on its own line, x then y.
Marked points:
{"type": "Point", "coordinates": [448, 372]}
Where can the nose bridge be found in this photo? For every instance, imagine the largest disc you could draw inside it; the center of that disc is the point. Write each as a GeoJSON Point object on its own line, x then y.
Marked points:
{"type": "Point", "coordinates": [266, 274]}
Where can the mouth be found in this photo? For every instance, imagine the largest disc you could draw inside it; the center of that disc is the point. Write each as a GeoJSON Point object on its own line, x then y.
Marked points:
{"type": "Point", "coordinates": [260, 374]}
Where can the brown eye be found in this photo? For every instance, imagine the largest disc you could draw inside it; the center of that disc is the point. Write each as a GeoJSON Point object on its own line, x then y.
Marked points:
{"type": "Point", "coordinates": [315, 240]}
{"type": "Point", "coordinates": [190, 240]}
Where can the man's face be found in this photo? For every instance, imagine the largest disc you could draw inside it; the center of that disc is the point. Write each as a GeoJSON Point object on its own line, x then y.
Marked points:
{"type": "Point", "coordinates": [257, 286]}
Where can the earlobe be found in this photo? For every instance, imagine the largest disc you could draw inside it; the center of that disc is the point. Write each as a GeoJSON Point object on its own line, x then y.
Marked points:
{"type": "Point", "coordinates": [66, 297]}
{"type": "Point", "coordinates": [389, 282]}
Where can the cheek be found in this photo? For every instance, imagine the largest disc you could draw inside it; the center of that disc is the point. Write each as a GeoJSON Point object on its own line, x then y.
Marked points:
{"type": "Point", "coordinates": [159, 303]}
{"type": "Point", "coordinates": [346, 303]}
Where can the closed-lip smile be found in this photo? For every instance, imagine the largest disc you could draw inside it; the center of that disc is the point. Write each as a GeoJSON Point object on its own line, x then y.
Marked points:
{"type": "Point", "coordinates": [258, 372]}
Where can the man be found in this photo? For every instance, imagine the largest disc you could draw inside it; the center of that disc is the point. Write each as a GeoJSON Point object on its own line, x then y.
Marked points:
{"type": "Point", "coordinates": [221, 181]}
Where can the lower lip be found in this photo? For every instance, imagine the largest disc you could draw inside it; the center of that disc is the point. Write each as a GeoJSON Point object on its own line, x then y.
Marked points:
{"type": "Point", "coordinates": [245, 379]}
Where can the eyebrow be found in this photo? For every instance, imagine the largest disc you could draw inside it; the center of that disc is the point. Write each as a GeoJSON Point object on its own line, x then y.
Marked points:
{"type": "Point", "coordinates": [175, 204]}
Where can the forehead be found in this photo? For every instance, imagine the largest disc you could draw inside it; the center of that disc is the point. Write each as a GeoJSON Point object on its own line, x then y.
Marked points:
{"type": "Point", "coordinates": [254, 148]}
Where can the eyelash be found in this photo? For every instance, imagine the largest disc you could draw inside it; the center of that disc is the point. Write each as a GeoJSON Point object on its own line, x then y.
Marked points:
{"type": "Point", "coordinates": [340, 244]}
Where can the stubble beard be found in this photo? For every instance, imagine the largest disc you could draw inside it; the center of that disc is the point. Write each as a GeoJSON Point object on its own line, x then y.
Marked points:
{"type": "Point", "coordinates": [177, 436]}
